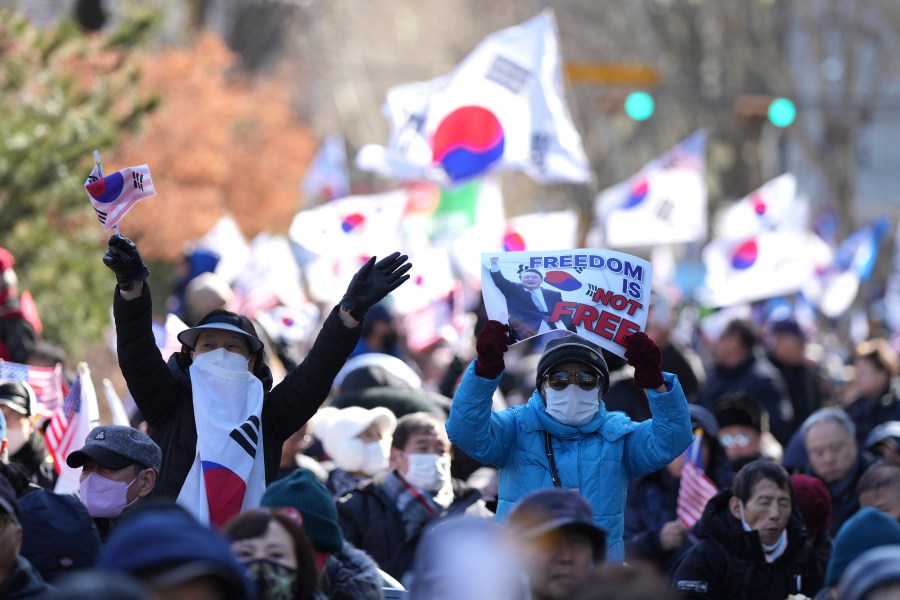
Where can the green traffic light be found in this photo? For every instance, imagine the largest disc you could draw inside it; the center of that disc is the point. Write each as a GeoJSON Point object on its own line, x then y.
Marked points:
{"type": "Point", "coordinates": [782, 112]}
{"type": "Point", "coordinates": [639, 106]}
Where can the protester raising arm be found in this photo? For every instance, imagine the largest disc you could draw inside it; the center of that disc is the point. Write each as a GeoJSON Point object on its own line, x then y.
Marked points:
{"type": "Point", "coordinates": [293, 401]}
{"type": "Point", "coordinates": [214, 400]}
{"type": "Point", "coordinates": [484, 435]}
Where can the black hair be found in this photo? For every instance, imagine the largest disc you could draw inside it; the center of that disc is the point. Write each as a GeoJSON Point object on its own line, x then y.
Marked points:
{"type": "Point", "coordinates": [539, 274]}
{"type": "Point", "coordinates": [745, 330]}
{"type": "Point", "coordinates": [752, 473]}
{"type": "Point", "coordinates": [255, 522]}
{"type": "Point", "coordinates": [878, 477]}
{"type": "Point", "coordinates": [412, 423]}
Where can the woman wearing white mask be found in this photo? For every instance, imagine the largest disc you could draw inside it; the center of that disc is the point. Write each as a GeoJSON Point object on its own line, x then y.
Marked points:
{"type": "Point", "coordinates": [213, 409]}
{"type": "Point", "coordinates": [358, 441]}
{"type": "Point", "coordinates": [564, 437]}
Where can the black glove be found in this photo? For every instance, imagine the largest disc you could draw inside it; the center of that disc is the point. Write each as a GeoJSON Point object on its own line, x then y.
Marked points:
{"type": "Point", "coordinates": [373, 282]}
{"type": "Point", "coordinates": [125, 261]}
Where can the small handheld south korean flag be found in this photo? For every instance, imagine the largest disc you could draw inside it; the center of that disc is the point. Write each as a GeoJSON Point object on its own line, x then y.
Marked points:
{"type": "Point", "coordinates": [113, 195]}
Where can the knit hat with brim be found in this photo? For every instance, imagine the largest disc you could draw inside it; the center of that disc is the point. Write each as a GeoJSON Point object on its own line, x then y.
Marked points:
{"type": "Point", "coordinates": [573, 348]}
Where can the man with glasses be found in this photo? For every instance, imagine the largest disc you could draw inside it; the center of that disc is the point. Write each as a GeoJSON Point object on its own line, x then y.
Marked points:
{"type": "Point", "coordinates": [742, 423]}
{"type": "Point", "coordinates": [564, 437]}
{"type": "Point", "coordinates": [18, 579]}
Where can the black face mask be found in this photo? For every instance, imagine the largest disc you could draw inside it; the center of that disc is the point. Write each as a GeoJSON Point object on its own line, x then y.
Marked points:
{"type": "Point", "coordinates": [273, 580]}
{"type": "Point", "coordinates": [389, 341]}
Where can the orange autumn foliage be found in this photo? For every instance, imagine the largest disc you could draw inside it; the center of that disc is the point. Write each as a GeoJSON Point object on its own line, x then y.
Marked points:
{"type": "Point", "coordinates": [219, 143]}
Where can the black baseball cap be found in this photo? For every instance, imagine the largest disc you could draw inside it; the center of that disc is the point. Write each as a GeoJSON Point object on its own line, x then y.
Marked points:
{"type": "Point", "coordinates": [18, 396]}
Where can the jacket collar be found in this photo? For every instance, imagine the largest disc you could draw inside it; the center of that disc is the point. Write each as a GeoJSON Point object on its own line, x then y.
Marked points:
{"type": "Point", "coordinates": [611, 425]}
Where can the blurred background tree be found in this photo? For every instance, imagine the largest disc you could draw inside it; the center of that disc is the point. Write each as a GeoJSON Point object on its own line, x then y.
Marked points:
{"type": "Point", "coordinates": [63, 94]}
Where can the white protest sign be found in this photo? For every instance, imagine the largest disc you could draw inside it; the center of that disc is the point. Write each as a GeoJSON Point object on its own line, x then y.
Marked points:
{"type": "Point", "coordinates": [601, 295]}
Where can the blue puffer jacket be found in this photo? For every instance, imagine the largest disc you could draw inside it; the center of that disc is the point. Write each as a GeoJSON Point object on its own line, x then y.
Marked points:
{"type": "Point", "coordinates": [597, 458]}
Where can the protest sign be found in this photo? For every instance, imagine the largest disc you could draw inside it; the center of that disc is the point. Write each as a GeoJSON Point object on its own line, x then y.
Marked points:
{"type": "Point", "coordinates": [601, 295]}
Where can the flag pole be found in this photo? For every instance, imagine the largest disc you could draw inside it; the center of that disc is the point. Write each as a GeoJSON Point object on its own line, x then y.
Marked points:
{"type": "Point", "coordinates": [100, 171]}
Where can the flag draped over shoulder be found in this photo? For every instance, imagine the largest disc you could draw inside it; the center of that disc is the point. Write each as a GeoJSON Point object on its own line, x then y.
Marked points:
{"type": "Point", "coordinates": [69, 427]}
{"type": "Point", "coordinates": [113, 195]}
{"type": "Point", "coordinates": [663, 203]}
{"type": "Point", "coordinates": [695, 489]}
{"type": "Point", "coordinates": [501, 108]}
{"type": "Point", "coordinates": [47, 383]}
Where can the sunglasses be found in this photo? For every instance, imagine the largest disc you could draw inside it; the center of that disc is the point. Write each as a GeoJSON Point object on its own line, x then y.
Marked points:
{"type": "Point", "coordinates": [735, 440]}
{"type": "Point", "coordinates": [560, 380]}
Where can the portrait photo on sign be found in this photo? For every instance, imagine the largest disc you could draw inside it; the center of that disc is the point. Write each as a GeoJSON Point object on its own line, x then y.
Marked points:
{"type": "Point", "coordinates": [601, 295]}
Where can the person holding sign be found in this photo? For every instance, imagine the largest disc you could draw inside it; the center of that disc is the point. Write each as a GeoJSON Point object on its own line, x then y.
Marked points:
{"type": "Point", "coordinates": [564, 437]}
{"type": "Point", "coordinates": [529, 304]}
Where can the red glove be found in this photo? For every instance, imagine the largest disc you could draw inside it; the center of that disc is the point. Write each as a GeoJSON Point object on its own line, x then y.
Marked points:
{"type": "Point", "coordinates": [644, 355]}
{"type": "Point", "coordinates": [492, 344]}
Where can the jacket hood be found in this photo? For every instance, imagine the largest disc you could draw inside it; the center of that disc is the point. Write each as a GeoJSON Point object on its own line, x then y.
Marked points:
{"type": "Point", "coordinates": [611, 425]}
{"type": "Point", "coordinates": [350, 573]}
{"type": "Point", "coordinates": [719, 524]}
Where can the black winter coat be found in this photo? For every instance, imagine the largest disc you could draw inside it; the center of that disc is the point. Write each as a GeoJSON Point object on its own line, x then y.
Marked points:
{"type": "Point", "coordinates": [163, 391]}
{"type": "Point", "coordinates": [728, 562]}
{"type": "Point", "coordinates": [372, 522]}
{"type": "Point", "coordinates": [757, 377]}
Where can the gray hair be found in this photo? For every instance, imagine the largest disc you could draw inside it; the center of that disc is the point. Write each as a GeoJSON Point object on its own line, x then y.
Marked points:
{"type": "Point", "coordinates": [822, 415]}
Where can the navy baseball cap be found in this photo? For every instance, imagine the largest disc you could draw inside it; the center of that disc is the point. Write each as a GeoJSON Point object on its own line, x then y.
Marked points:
{"type": "Point", "coordinates": [547, 510]}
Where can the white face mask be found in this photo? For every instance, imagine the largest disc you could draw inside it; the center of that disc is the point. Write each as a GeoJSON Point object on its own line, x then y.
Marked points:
{"type": "Point", "coordinates": [376, 457]}
{"type": "Point", "coordinates": [16, 439]}
{"type": "Point", "coordinates": [223, 359]}
{"type": "Point", "coordinates": [428, 472]}
{"type": "Point", "coordinates": [572, 405]}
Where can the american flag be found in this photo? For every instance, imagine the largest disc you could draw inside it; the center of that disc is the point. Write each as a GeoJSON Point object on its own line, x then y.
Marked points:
{"type": "Point", "coordinates": [695, 488]}
{"type": "Point", "coordinates": [64, 429]}
{"type": "Point", "coordinates": [47, 383]}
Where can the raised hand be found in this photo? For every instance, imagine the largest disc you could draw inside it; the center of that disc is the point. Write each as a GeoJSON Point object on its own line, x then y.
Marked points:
{"type": "Point", "coordinates": [123, 258]}
{"type": "Point", "coordinates": [492, 344]}
{"type": "Point", "coordinates": [373, 282]}
{"type": "Point", "coordinates": [645, 356]}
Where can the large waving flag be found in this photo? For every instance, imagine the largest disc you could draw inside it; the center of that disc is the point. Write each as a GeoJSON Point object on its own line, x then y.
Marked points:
{"type": "Point", "coordinates": [695, 488]}
{"type": "Point", "coordinates": [270, 278]}
{"type": "Point", "coordinates": [113, 195]}
{"type": "Point", "coordinates": [501, 108]}
{"type": "Point", "coordinates": [47, 382]}
{"type": "Point", "coordinates": [853, 262]}
{"type": "Point", "coordinates": [69, 428]}
{"type": "Point", "coordinates": [768, 265]}
{"type": "Point", "coordinates": [773, 207]}
{"type": "Point", "coordinates": [663, 203]}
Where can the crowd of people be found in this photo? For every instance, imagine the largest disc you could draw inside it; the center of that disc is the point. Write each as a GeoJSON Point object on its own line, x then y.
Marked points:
{"type": "Point", "coordinates": [345, 467]}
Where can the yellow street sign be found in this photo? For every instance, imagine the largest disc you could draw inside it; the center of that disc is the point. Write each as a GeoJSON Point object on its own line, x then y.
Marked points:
{"type": "Point", "coordinates": [613, 73]}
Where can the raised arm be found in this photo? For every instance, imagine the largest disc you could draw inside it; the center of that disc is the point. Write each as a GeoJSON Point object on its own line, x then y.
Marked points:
{"type": "Point", "coordinates": [479, 432]}
{"type": "Point", "coordinates": [292, 402]}
{"type": "Point", "coordinates": [149, 380]}
{"type": "Point", "coordinates": [658, 441]}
